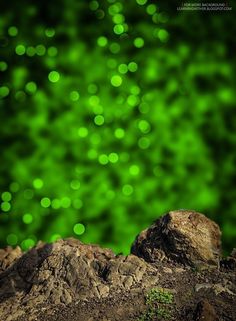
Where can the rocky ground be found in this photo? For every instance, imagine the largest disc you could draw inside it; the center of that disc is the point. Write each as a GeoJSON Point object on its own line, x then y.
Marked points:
{"type": "Point", "coordinates": [175, 272]}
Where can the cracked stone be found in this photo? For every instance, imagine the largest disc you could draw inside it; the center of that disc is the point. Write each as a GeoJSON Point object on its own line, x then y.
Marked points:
{"type": "Point", "coordinates": [183, 236]}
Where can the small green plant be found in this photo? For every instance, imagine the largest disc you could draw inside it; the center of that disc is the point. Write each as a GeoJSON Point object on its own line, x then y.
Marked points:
{"type": "Point", "coordinates": [159, 295]}
{"type": "Point", "coordinates": [158, 301]}
{"type": "Point", "coordinates": [148, 315]}
{"type": "Point", "coordinates": [163, 313]}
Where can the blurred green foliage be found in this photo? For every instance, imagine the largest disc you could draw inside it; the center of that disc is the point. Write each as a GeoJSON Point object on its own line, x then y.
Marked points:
{"type": "Point", "coordinates": [112, 113]}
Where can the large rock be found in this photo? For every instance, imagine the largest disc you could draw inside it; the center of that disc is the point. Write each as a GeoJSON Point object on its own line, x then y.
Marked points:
{"type": "Point", "coordinates": [183, 236]}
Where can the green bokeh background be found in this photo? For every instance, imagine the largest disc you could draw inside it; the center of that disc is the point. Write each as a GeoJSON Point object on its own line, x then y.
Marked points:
{"type": "Point", "coordinates": [113, 113]}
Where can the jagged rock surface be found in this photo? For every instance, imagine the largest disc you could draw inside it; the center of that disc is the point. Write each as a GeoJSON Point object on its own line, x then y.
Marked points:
{"type": "Point", "coordinates": [68, 280]}
{"type": "Point", "coordinates": [68, 271]}
{"type": "Point", "coordinates": [183, 236]}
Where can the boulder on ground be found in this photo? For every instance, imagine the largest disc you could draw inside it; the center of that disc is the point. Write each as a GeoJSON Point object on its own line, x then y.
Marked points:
{"type": "Point", "coordinates": [183, 236]}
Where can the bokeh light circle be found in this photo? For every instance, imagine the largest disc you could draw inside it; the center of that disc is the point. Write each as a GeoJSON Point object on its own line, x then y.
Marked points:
{"type": "Point", "coordinates": [138, 42]}
{"type": "Point", "coordinates": [20, 50]}
{"type": "Point", "coordinates": [12, 31]}
{"type": "Point", "coordinates": [74, 95]}
{"type": "Point", "coordinates": [54, 76]}
{"type": "Point", "coordinates": [119, 133]}
{"type": "Point", "coordinates": [27, 218]}
{"type": "Point", "coordinates": [4, 91]}
{"type": "Point", "coordinates": [141, 2]}
{"type": "Point", "coordinates": [31, 87]}
{"type": "Point", "coordinates": [12, 239]}
{"type": "Point", "coordinates": [132, 66]}
{"type": "Point", "coordinates": [127, 189]}
{"type": "Point", "coordinates": [102, 41]}
{"type": "Point", "coordinates": [134, 170]}
{"type": "Point", "coordinates": [113, 157]}
{"type": "Point", "coordinates": [38, 183]}
{"type": "Point", "coordinates": [103, 159]}
{"type": "Point", "coordinates": [99, 120]}
{"type": "Point", "coordinates": [116, 81]}
{"type": "Point", "coordinates": [5, 206]}
{"type": "Point", "coordinates": [6, 196]}
{"type": "Point", "coordinates": [83, 132]}
{"type": "Point", "coordinates": [79, 229]}
{"type": "Point", "coordinates": [3, 66]}
{"type": "Point", "coordinates": [45, 202]}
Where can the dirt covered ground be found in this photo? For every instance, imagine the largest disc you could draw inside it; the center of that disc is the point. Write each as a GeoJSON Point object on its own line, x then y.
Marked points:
{"type": "Point", "coordinates": [175, 272]}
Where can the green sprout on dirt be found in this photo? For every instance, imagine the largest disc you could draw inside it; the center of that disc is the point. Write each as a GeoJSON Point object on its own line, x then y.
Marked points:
{"type": "Point", "coordinates": [158, 301]}
{"type": "Point", "coordinates": [148, 315]}
{"type": "Point", "coordinates": [159, 295]}
{"type": "Point", "coordinates": [163, 313]}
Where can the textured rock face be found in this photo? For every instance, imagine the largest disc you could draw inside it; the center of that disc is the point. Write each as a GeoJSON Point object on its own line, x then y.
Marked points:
{"type": "Point", "coordinates": [67, 271]}
{"type": "Point", "coordinates": [68, 280]}
{"type": "Point", "coordinates": [183, 236]}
